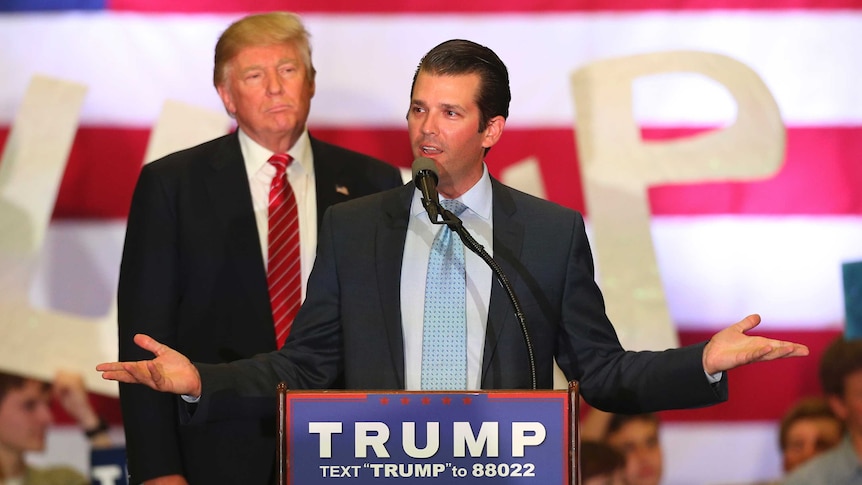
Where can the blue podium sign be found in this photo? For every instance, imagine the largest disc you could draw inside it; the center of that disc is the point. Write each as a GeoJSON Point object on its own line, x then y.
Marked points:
{"type": "Point", "coordinates": [521, 437]}
{"type": "Point", "coordinates": [108, 466]}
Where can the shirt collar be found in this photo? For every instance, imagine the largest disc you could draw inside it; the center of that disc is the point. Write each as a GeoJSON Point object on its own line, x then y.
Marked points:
{"type": "Point", "coordinates": [478, 199]}
{"type": "Point", "coordinates": [256, 156]}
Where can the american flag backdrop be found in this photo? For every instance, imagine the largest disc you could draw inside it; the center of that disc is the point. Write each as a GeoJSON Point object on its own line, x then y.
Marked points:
{"type": "Point", "coordinates": [725, 249]}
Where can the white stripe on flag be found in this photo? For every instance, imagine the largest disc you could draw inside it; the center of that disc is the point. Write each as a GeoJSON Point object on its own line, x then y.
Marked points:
{"type": "Point", "coordinates": [133, 62]}
{"type": "Point", "coordinates": [715, 270]}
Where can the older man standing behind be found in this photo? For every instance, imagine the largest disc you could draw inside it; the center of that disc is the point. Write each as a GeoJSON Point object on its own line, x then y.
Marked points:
{"type": "Point", "coordinates": [220, 241]}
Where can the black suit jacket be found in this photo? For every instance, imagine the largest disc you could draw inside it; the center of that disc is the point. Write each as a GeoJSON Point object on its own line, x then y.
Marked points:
{"type": "Point", "coordinates": [192, 276]}
{"type": "Point", "coordinates": [350, 324]}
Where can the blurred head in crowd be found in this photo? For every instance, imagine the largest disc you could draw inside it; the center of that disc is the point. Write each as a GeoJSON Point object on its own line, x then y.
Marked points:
{"type": "Point", "coordinates": [25, 414]}
{"type": "Point", "coordinates": [809, 428]}
{"type": "Point", "coordinates": [636, 437]}
{"type": "Point", "coordinates": [601, 464]}
{"type": "Point", "coordinates": [841, 378]}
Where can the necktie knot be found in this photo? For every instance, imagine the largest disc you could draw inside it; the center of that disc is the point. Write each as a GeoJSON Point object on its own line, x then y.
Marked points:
{"type": "Point", "coordinates": [279, 186]}
{"type": "Point", "coordinates": [454, 206]}
{"type": "Point", "coordinates": [280, 161]}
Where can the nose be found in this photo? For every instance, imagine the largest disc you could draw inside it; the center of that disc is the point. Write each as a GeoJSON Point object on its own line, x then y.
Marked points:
{"type": "Point", "coordinates": [43, 413]}
{"type": "Point", "coordinates": [273, 84]}
{"type": "Point", "coordinates": [428, 126]}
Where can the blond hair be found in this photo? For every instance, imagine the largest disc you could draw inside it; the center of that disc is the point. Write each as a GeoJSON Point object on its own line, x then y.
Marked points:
{"type": "Point", "coordinates": [271, 28]}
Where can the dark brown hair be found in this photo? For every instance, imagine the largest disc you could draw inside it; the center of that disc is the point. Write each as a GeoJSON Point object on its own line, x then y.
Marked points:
{"type": "Point", "coordinates": [458, 57]}
{"type": "Point", "coordinates": [806, 408]}
{"type": "Point", "coordinates": [840, 359]}
{"type": "Point", "coordinates": [617, 421]}
{"type": "Point", "coordinates": [599, 458]}
{"type": "Point", "coordinates": [10, 382]}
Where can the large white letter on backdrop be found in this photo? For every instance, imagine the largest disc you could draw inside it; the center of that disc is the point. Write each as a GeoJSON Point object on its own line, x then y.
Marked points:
{"type": "Point", "coordinates": [618, 167]}
{"type": "Point", "coordinates": [35, 341]}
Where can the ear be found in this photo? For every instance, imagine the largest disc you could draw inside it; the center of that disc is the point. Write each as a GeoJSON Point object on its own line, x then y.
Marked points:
{"type": "Point", "coordinates": [311, 87]}
{"type": "Point", "coordinates": [226, 99]}
{"type": "Point", "coordinates": [493, 131]}
{"type": "Point", "coordinates": [838, 407]}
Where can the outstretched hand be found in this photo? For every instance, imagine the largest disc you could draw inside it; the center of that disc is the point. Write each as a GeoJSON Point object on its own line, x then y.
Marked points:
{"type": "Point", "coordinates": [170, 371]}
{"type": "Point", "coordinates": [732, 348]}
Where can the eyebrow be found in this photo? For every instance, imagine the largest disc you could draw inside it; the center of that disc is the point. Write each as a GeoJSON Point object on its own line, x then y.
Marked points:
{"type": "Point", "coordinates": [281, 62]}
{"type": "Point", "coordinates": [453, 107]}
{"type": "Point", "coordinates": [443, 106]}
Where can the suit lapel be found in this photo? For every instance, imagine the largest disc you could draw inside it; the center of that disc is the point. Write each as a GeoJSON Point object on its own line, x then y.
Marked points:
{"type": "Point", "coordinates": [508, 243]}
{"type": "Point", "coordinates": [230, 198]}
{"type": "Point", "coordinates": [391, 232]}
{"type": "Point", "coordinates": [327, 173]}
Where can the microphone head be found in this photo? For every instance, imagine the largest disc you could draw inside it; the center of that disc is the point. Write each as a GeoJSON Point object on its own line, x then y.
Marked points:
{"type": "Point", "coordinates": [424, 164]}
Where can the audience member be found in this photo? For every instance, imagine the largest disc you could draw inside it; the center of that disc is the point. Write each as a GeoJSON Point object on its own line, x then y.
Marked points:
{"type": "Point", "coordinates": [841, 379]}
{"type": "Point", "coordinates": [601, 464]}
{"type": "Point", "coordinates": [200, 267]}
{"type": "Point", "coordinates": [636, 436]}
{"type": "Point", "coordinates": [25, 415]}
{"type": "Point", "coordinates": [809, 428]}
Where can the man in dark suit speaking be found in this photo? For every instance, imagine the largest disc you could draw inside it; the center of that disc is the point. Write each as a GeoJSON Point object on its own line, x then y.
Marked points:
{"type": "Point", "coordinates": [203, 246]}
{"type": "Point", "coordinates": [369, 315]}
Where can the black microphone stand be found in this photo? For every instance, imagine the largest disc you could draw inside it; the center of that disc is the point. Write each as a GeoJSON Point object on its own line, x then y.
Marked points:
{"type": "Point", "coordinates": [456, 225]}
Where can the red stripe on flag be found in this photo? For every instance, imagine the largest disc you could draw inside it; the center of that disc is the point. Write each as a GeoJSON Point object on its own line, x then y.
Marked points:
{"type": "Point", "coordinates": [108, 408]}
{"type": "Point", "coordinates": [101, 173]}
{"type": "Point", "coordinates": [821, 175]}
{"type": "Point", "coordinates": [458, 6]}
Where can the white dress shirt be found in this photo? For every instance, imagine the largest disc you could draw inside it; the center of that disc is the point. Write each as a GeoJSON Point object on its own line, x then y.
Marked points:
{"type": "Point", "coordinates": [300, 175]}
{"type": "Point", "coordinates": [421, 232]}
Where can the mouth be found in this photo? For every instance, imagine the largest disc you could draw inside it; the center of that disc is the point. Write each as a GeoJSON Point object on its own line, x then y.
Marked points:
{"type": "Point", "coordinates": [430, 150]}
{"type": "Point", "coordinates": [278, 108]}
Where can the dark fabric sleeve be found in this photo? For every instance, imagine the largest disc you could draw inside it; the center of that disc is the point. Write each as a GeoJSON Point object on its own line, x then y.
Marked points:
{"type": "Point", "coordinates": [611, 378]}
{"type": "Point", "coordinates": [147, 304]}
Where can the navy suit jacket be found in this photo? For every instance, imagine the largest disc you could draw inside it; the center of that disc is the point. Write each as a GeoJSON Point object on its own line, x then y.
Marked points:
{"type": "Point", "coordinates": [350, 324]}
{"type": "Point", "coordinates": [192, 276]}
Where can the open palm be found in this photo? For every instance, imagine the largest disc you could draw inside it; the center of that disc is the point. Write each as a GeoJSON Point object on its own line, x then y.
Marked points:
{"type": "Point", "coordinates": [170, 371]}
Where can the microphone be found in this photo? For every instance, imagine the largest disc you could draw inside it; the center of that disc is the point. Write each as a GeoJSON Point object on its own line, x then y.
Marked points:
{"type": "Point", "coordinates": [425, 178]}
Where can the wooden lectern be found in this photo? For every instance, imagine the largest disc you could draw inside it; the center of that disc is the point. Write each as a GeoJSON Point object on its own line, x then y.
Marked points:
{"type": "Point", "coordinates": [519, 436]}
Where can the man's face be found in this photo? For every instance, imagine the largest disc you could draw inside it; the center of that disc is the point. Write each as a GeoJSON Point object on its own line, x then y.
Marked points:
{"type": "Point", "coordinates": [268, 91]}
{"type": "Point", "coordinates": [443, 123]}
{"type": "Point", "coordinates": [25, 414]}
{"type": "Point", "coordinates": [638, 441]}
{"type": "Point", "coordinates": [808, 437]}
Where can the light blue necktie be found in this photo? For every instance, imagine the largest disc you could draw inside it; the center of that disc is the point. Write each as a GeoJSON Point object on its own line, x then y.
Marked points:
{"type": "Point", "coordinates": [444, 331]}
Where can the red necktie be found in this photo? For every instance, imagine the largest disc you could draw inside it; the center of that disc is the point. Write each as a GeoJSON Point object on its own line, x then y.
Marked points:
{"type": "Point", "coordinates": [283, 270]}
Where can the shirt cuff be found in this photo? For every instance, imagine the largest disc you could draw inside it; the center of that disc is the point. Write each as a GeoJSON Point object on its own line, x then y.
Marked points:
{"type": "Point", "coordinates": [193, 400]}
{"type": "Point", "coordinates": [712, 378]}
